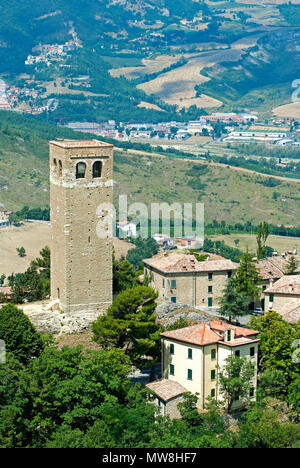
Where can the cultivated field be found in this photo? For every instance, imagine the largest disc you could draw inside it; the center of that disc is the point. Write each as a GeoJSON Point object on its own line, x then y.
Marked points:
{"type": "Point", "coordinates": [178, 85]}
{"type": "Point", "coordinates": [291, 110]}
{"type": "Point", "coordinates": [279, 243]}
{"type": "Point", "coordinates": [33, 236]}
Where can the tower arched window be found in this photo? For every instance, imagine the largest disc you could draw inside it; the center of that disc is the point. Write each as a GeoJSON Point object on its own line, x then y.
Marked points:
{"type": "Point", "coordinates": [97, 169]}
{"type": "Point", "coordinates": [80, 170]}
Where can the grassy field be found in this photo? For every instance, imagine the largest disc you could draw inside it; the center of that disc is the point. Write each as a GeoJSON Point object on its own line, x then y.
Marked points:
{"type": "Point", "coordinates": [33, 236]}
{"type": "Point", "coordinates": [279, 243]}
{"type": "Point", "coordinates": [291, 111]}
{"type": "Point", "coordinates": [235, 195]}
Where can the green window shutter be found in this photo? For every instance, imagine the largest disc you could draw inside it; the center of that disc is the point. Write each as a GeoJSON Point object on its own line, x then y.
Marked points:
{"type": "Point", "coordinates": [210, 289]}
{"type": "Point", "coordinates": [172, 370]}
{"type": "Point", "coordinates": [213, 392]}
{"type": "Point", "coordinates": [190, 374]}
{"type": "Point", "coordinates": [190, 353]}
{"type": "Point", "coordinates": [171, 348]}
{"type": "Point", "coordinates": [173, 284]}
{"type": "Point", "coordinates": [210, 302]}
{"type": "Point", "coordinates": [213, 374]}
{"type": "Point", "coordinates": [213, 354]}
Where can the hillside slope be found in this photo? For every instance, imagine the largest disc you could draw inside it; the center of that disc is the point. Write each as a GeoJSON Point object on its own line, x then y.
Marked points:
{"type": "Point", "coordinates": [228, 194]}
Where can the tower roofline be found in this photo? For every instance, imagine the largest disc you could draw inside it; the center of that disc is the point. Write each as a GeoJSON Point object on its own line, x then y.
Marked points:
{"type": "Point", "coordinates": [68, 144]}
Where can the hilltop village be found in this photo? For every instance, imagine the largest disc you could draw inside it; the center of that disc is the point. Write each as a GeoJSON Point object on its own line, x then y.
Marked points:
{"type": "Point", "coordinates": [205, 317]}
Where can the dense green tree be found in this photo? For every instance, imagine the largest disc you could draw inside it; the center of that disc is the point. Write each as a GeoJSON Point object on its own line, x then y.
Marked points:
{"type": "Point", "coordinates": [233, 303]}
{"type": "Point", "coordinates": [271, 383]}
{"type": "Point", "coordinates": [130, 324]}
{"type": "Point", "coordinates": [18, 333]}
{"type": "Point", "coordinates": [124, 275]}
{"type": "Point", "coordinates": [234, 377]}
{"type": "Point", "coordinates": [276, 346]}
{"type": "Point", "coordinates": [21, 252]}
{"type": "Point", "coordinates": [291, 266]}
{"type": "Point", "coordinates": [188, 410]}
{"type": "Point", "coordinates": [247, 278]}
{"type": "Point", "coordinates": [261, 238]}
{"type": "Point", "coordinates": [294, 398]}
{"type": "Point", "coordinates": [180, 323]}
{"type": "Point", "coordinates": [145, 248]}
{"type": "Point", "coordinates": [34, 284]}
{"type": "Point", "coordinates": [29, 286]}
{"type": "Point", "coordinates": [260, 428]}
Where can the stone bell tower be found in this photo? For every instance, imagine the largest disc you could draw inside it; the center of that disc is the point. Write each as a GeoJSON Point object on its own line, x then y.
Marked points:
{"type": "Point", "coordinates": [81, 180]}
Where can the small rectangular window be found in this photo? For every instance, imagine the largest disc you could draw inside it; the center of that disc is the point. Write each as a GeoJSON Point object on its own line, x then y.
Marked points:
{"type": "Point", "coordinates": [171, 348]}
{"type": "Point", "coordinates": [252, 351]}
{"type": "Point", "coordinates": [173, 299]}
{"type": "Point", "coordinates": [172, 370]}
{"type": "Point", "coordinates": [163, 283]}
{"type": "Point", "coordinates": [210, 276]}
{"type": "Point", "coordinates": [213, 392]}
{"type": "Point", "coordinates": [213, 374]}
{"type": "Point", "coordinates": [271, 298]}
{"type": "Point", "coordinates": [251, 392]}
{"type": "Point", "coordinates": [229, 274]}
{"type": "Point", "coordinates": [173, 284]}
{"type": "Point", "coordinates": [190, 353]}
{"type": "Point", "coordinates": [213, 354]}
{"type": "Point", "coordinates": [210, 290]}
{"type": "Point", "coordinates": [229, 335]}
{"type": "Point", "coordinates": [210, 302]}
{"type": "Point", "coordinates": [190, 374]}
{"type": "Point", "coordinates": [238, 353]}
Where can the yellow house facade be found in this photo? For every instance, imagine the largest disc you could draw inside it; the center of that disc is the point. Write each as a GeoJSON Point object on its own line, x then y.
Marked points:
{"type": "Point", "coordinates": [191, 357]}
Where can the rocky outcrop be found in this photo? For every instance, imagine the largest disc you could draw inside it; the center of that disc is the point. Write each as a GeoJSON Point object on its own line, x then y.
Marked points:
{"type": "Point", "coordinates": [48, 319]}
{"type": "Point", "coordinates": [167, 313]}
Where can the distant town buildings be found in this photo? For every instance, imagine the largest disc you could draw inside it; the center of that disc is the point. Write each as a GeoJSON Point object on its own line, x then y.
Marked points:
{"type": "Point", "coordinates": [48, 53]}
{"type": "Point", "coordinates": [5, 218]}
{"type": "Point", "coordinates": [127, 229]}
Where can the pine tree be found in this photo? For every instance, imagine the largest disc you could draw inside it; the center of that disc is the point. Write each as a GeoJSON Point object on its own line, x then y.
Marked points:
{"type": "Point", "coordinates": [233, 303]}
{"type": "Point", "coordinates": [247, 278]}
{"type": "Point", "coordinates": [291, 266]}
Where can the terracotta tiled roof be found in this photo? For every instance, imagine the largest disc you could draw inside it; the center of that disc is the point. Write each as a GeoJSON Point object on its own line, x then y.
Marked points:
{"type": "Point", "coordinates": [290, 312]}
{"type": "Point", "coordinates": [203, 333]}
{"type": "Point", "coordinates": [172, 263]}
{"type": "Point", "coordinates": [166, 389]}
{"type": "Point", "coordinates": [267, 270]}
{"type": "Point", "coordinates": [217, 325]}
{"type": "Point", "coordinates": [289, 285]}
{"type": "Point", "coordinates": [275, 267]}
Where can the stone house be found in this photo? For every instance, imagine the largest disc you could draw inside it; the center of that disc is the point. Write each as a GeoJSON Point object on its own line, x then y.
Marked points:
{"type": "Point", "coordinates": [168, 394]}
{"type": "Point", "coordinates": [191, 357]}
{"type": "Point", "coordinates": [284, 297]}
{"type": "Point", "coordinates": [182, 278]}
{"type": "Point", "coordinates": [271, 269]}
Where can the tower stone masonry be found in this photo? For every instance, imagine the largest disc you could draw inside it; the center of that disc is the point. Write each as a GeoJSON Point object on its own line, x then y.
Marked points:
{"type": "Point", "coordinates": [81, 180]}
